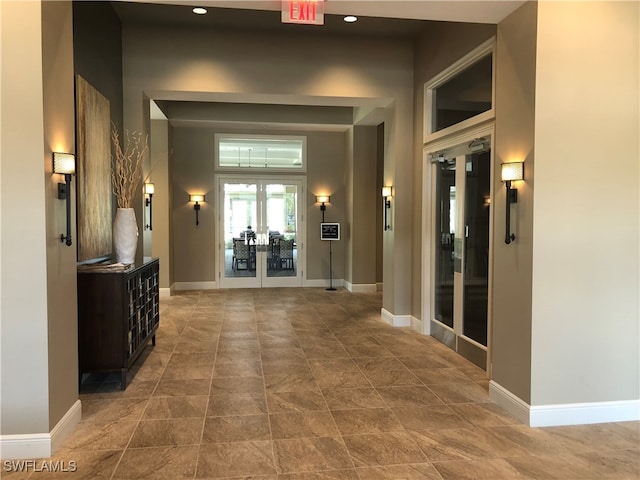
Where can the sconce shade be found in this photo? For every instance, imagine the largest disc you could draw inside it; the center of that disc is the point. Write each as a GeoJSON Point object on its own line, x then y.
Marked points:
{"type": "Point", "coordinates": [64, 163]}
{"type": "Point", "coordinates": [512, 171]}
{"type": "Point", "coordinates": [322, 199]}
{"type": "Point", "coordinates": [386, 191]}
{"type": "Point", "coordinates": [149, 188]}
{"type": "Point", "coordinates": [196, 198]}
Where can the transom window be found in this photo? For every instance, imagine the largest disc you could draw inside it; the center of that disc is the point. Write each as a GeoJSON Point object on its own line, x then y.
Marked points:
{"type": "Point", "coordinates": [261, 152]}
{"type": "Point", "coordinates": [461, 96]}
{"type": "Point", "coordinates": [465, 95]}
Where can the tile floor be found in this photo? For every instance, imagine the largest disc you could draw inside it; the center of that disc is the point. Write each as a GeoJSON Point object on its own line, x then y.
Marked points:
{"type": "Point", "coordinates": [305, 384]}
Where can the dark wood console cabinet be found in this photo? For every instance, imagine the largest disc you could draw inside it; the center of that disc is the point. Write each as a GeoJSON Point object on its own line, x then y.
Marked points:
{"type": "Point", "coordinates": [118, 312]}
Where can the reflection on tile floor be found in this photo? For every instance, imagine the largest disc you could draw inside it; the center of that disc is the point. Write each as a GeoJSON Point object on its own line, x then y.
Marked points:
{"type": "Point", "coordinates": [305, 384]}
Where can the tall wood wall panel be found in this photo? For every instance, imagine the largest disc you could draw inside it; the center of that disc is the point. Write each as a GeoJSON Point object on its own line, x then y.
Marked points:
{"type": "Point", "coordinates": [94, 197]}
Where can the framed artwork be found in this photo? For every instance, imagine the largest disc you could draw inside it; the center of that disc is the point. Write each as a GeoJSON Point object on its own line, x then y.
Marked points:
{"type": "Point", "coordinates": [94, 192]}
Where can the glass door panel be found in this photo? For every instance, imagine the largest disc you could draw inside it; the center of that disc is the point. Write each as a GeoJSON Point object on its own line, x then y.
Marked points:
{"type": "Point", "coordinates": [446, 230]}
{"type": "Point", "coordinates": [239, 215]}
{"type": "Point", "coordinates": [476, 271]}
{"type": "Point", "coordinates": [282, 224]}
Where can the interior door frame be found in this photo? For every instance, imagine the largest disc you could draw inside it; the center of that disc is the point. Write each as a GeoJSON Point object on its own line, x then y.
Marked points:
{"type": "Point", "coordinates": [261, 280]}
{"type": "Point", "coordinates": [429, 204]}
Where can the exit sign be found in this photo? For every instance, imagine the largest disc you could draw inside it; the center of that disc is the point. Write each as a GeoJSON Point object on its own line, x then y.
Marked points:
{"type": "Point", "coordinates": [310, 12]}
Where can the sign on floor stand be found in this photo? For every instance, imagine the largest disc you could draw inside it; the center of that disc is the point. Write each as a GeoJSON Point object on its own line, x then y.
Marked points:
{"type": "Point", "coordinates": [331, 233]}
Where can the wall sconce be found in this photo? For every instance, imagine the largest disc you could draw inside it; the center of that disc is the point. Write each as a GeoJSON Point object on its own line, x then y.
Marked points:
{"type": "Point", "coordinates": [149, 189]}
{"type": "Point", "coordinates": [511, 172]}
{"type": "Point", "coordinates": [322, 199]}
{"type": "Point", "coordinates": [386, 195]}
{"type": "Point", "coordinates": [196, 199]}
{"type": "Point", "coordinates": [65, 164]}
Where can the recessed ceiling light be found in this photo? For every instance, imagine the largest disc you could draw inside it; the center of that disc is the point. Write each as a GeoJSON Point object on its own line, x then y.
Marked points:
{"type": "Point", "coordinates": [350, 19]}
{"type": "Point", "coordinates": [199, 11]}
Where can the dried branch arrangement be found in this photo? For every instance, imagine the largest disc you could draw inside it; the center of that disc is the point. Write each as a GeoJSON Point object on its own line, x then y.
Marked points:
{"type": "Point", "coordinates": [126, 170]}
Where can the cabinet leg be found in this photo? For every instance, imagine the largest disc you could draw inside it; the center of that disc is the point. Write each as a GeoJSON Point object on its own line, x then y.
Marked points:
{"type": "Point", "coordinates": [153, 340]}
{"type": "Point", "coordinates": [123, 378]}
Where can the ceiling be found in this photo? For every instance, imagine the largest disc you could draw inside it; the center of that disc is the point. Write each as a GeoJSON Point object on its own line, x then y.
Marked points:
{"type": "Point", "coordinates": [474, 11]}
{"type": "Point", "coordinates": [399, 19]}
{"type": "Point", "coordinates": [262, 20]}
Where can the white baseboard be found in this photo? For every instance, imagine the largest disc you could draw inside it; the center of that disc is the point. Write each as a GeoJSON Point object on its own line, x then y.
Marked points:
{"type": "Point", "coordinates": [584, 413]}
{"type": "Point", "coordinates": [321, 282]}
{"type": "Point", "coordinates": [361, 287]}
{"type": "Point", "coordinates": [181, 286]}
{"type": "Point", "coordinates": [416, 324]}
{"type": "Point", "coordinates": [510, 402]}
{"type": "Point", "coordinates": [165, 292]}
{"type": "Point", "coordinates": [41, 445]}
{"type": "Point", "coordinates": [35, 445]}
{"type": "Point", "coordinates": [426, 327]}
{"type": "Point", "coordinates": [395, 320]}
{"type": "Point", "coordinates": [379, 286]}
{"type": "Point", "coordinates": [67, 424]}
{"type": "Point", "coordinates": [565, 414]}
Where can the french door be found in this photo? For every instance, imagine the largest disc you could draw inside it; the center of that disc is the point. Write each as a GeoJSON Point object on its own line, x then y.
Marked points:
{"type": "Point", "coordinates": [461, 246]}
{"type": "Point", "coordinates": [260, 234]}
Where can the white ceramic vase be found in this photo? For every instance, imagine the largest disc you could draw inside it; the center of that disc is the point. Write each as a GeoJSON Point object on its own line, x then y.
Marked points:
{"type": "Point", "coordinates": [125, 235]}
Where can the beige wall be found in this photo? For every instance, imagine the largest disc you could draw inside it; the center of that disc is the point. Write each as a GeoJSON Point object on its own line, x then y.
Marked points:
{"type": "Point", "coordinates": [514, 141]}
{"type": "Point", "coordinates": [397, 242]}
{"type": "Point", "coordinates": [379, 213]}
{"type": "Point", "coordinates": [157, 240]}
{"type": "Point", "coordinates": [25, 399]}
{"type": "Point", "coordinates": [192, 165]}
{"type": "Point", "coordinates": [38, 291]}
{"type": "Point", "coordinates": [239, 67]}
{"type": "Point", "coordinates": [59, 135]}
{"type": "Point", "coordinates": [365, 200]}
{"type": "Point", "coordinates": [325, 174]}
{"type": "Point", "coordinates": [585, 328]}
{"type": "Point", "coordinates": [347, 229]}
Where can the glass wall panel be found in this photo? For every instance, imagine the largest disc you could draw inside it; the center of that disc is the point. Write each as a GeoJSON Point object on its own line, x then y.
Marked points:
{"type": "Point", "coordinates": [446, 230]}
{"type": "Point", "coordinates": [465, 95]}
{"type": "Point", "coordinates": [476, 270]}
{"type": "Point", "coordinates": [240, 216]}
{"type": "Point", "coordinates": [281, 219]}
{"type": "Point", "coordinates": [260, 152]}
